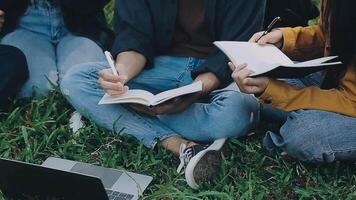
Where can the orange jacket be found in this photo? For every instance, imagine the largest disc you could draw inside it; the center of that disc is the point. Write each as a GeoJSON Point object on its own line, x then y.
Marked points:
{"type": "Point", "coordinates": [308, 43]}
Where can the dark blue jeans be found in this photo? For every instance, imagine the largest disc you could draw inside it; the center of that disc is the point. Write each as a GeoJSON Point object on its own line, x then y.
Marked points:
{"type": "Point", "coordinates": [13, 72]}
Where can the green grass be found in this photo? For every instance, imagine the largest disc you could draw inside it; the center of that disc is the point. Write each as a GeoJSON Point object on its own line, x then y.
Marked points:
{"type": "Point", "coordinates": [38, 129]}
{"type": "Point", "coordinates": [33, 131]}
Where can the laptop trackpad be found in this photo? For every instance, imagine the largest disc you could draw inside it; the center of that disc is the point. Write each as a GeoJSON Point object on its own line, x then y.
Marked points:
{"type": "Point", "coordinates": [107, 176]}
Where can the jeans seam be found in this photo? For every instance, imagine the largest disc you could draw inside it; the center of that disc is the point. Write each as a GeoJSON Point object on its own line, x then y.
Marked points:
{"type": "Point", "coordinates": [188, 68]}
{"type": "Point", "coordinates": [147, 124]}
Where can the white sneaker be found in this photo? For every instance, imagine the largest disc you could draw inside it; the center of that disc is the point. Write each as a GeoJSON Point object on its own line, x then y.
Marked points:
{"type": "Point", "coordinates": [200, 162]}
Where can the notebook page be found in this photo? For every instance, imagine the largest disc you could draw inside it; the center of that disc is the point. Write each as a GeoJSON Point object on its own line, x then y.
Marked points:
{"type": "Point", "coordinates": [316, 62]}
{"type": "Point", "coordinates": [170, 94]}
{"type": "Point", "coordinates": [131, 96]}
{"type": "Point", "coordinates": [260, 58]}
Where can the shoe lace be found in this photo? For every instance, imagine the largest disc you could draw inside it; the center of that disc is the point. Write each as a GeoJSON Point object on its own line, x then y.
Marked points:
{"type": "Point", "coordinates": [185, 154]}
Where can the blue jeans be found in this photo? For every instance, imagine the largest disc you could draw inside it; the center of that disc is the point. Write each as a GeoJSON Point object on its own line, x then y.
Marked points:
{"type": "Point", "coordinates": [202, 122]}
{"type": "Point", "coordinates": [49, 48]}
{"type": "Point", "coordinates": [312, 135]}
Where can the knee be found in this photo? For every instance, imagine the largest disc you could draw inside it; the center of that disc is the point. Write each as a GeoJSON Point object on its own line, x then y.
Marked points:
{"type": "Point", "coordinates": [80, 77]}
{"type": "Point", "coordinates": [304, 141]}
{"type": "Point", "coordinates": [79, 73]}
{"type": "Point", "coordinates": [235, 114]}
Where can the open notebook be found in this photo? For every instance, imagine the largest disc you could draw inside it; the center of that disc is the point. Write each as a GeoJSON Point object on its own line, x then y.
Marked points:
{"type": "Point", "coordinates": [268, 60]}
{"type": "Point", "coordinates": [148, 99]}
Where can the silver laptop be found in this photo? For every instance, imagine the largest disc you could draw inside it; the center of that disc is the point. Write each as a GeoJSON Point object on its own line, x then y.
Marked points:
{"type": "Point", "coordinates": [119, 184]}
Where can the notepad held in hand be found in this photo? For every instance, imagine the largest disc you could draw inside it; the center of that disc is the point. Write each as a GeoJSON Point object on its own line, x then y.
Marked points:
{"type": "Point", "coordinates": [148, 99]}
{"type": "Point", "coordinates": [268, 60]}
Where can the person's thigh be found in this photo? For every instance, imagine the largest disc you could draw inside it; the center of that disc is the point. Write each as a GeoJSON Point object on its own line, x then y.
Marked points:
{"type": "Point", "coordinates": [41, 59]}
{"type": "Point", "coordinates": [81, 88]}
{"type": "Point", "coordinates": [167, 73]}
{"type": "Point", "coordinates": [316, 136]}
{"type": "Point", "coordinates": [73, 50]}
{"type": "Point", "coordinates": [13, 72]}
{"type": "Point", "coordinates": [229, 114]}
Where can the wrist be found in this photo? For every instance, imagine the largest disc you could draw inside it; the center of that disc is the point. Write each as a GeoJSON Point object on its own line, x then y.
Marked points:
{"type": "Point", "coordinates": [121, 70]}
{"type": "Point", "coordinates": [210, 82]}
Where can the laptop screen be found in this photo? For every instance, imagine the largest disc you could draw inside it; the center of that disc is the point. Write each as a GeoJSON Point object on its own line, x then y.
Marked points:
{"type": "Point", "coordinates": [107, 176]}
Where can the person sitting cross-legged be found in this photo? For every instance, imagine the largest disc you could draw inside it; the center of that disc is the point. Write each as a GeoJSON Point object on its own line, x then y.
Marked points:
{"type": "Point", "coordinates": [161, 45]}
{"type": "Point", "coordinates": [319, 110]}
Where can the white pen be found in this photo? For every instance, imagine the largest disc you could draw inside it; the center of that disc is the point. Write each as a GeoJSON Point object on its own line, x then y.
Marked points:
{"type": "Point", "coordinates": [111, 62]}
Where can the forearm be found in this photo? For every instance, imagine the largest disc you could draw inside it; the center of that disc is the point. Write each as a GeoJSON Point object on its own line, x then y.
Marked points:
{"type": "Point", "coordinates": [290, 98]}
{"type": "Point", "coordinates": [303, 43]}
{"type": "Point", "coordinates": [210, 82]}
{"type": "Point", "coordinates": [130, 64]}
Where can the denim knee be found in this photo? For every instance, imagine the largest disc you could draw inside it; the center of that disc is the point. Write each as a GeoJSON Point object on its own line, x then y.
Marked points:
{"type": "Point", "coordinates": [79, 76]}
{"type": "Point", "coordinates": [303, 138]}
{"type": "Point", "coordinates": [235, 115]}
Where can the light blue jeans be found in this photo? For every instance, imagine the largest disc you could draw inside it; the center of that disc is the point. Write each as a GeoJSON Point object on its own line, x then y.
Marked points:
{"type": "Point", "coordinates": [313, 135]}
{"type": "Point", "coordinates": [222, 115]}
{"type": "Point", "coordinates": [49, 48]}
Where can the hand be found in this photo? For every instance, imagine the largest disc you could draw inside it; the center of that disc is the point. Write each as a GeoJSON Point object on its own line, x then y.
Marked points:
{"type": "Point", "coordinates": [275, 37]}
{"type": "Point", "coordinates": [2, 19]}
{"type": "Point", "coordinates": [173, 106]}
{"type": "Point", "coordinates": [210, 82]}
{"type": "Point", "coordinates": [112, 84]}
{"type": "Point", "coordinates": [248, 85]}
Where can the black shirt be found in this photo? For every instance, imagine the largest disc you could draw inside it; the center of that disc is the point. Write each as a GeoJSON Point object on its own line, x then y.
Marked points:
{"type": "Point", "coordinates": [192, 37]}
{"type": "Point", "coordinates": [148, 27]}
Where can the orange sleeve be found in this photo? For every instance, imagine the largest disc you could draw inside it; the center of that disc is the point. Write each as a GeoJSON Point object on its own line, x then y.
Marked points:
{"type": "Point", "coordinates": [308, 43]}
{"type": "Point", "coordinates": [286, 97]}
{"type": "Point", "coordinates": [304, 43]}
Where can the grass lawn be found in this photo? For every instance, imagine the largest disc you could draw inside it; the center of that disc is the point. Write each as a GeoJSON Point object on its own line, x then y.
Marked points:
{"type": "Point", "coordinates": [35, 130]}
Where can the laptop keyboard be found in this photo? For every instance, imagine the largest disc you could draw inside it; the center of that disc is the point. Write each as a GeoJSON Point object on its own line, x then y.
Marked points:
{"type": "Point", "coordinates": [113, 195]}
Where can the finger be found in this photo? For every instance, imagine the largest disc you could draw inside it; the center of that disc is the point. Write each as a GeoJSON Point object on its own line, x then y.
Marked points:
{"type": "Point", "coordinates": [107, 75]}
{"type": "Point", "coordinates": [111, 86]}
{"type": "Point", "coordinates": [264, 40]}
{"type": "Point", "coordinates": [255, 90]}
{"type": "Point", "coordinates": [237, 70]}
{"type": "Point", "coordinates": [115, 93]}
{"type": "Point", "coordinates": [243, 74]}
{"type": "Point", "coordinates": [253, 81]}
{"type": "Point", "coordinates": [270, 38]}
{"type": "Point", "coordinates": [241, 67]}
{"type": "Point", "coordinates": [232, 66]}
{"type": "Point", "coordinates": [2, 13]}
{"type": "Point", "coordinates": [255, 37]}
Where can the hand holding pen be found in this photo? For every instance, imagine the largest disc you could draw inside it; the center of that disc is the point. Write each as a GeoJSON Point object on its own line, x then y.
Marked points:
{"type": "Point", "coordinates": [269, 36]}
{"type": "Point", "coordinates": [110, 80]}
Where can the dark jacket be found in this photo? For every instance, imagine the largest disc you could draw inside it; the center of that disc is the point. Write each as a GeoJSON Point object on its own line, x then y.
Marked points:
{"type": "Point", "coordinates": [148, 26]}
{"type": "Point", "coordinates": [82, 17]}
{"type": "Point", "coordinates": [13, 73]}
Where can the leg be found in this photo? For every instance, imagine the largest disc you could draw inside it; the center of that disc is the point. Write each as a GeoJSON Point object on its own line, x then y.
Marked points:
{"type": "Point", "coordinates": [314, 79]}
{"type": "Point", "coordinates": [316, 136]}
{"type": "Point", "coordinates": [40, 56]}
{"type": "Point", "coordinates": [81, 89]}
{"type": "Point", "coordinates": [73, 50]}
{"type": "Point", "coordinates": [13, 72]}
{"type": "Point", "coordinates": [229, 114]}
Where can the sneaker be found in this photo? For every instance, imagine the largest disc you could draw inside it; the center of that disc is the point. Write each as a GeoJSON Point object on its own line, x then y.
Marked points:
{"type": "Point", "coordinates": [201, 162]}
